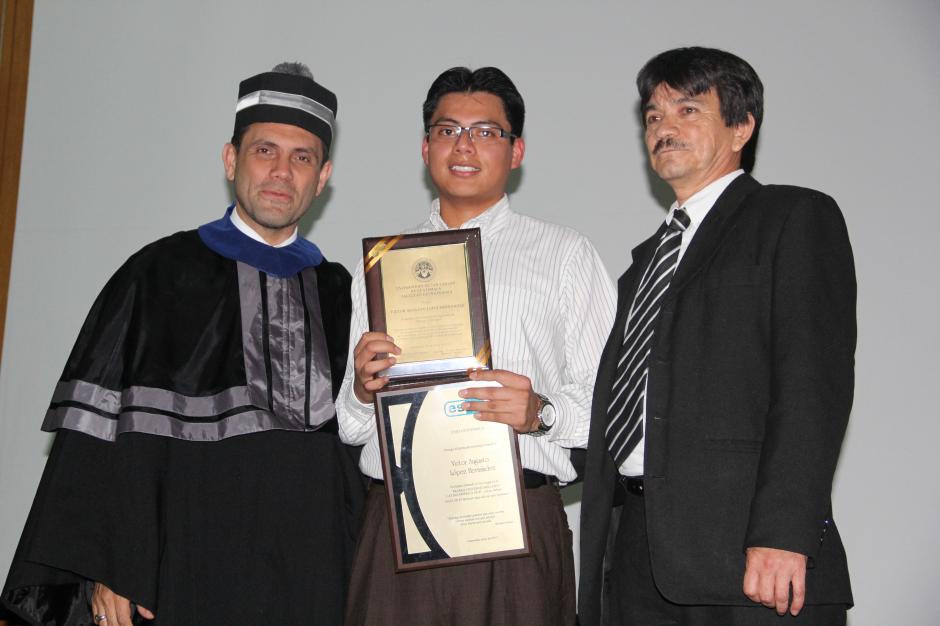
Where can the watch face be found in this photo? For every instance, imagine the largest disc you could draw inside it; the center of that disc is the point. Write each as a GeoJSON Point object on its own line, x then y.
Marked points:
{"type": "Point", "coordinates": [546, 414]}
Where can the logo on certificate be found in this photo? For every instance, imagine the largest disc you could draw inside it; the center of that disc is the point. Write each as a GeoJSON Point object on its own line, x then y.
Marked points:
{"type": "Point", "coordinates": [454, 408]}
{"type": "Point", "coordinates": [423, 269]}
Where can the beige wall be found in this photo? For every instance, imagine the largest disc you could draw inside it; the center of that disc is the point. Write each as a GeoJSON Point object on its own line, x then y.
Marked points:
{"type": "Point", "coordinates": [130, 103]}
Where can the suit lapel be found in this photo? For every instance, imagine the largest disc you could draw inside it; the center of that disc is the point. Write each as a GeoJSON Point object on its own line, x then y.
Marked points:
{"type": "Point", "coordinates": [626, 288]}
{"type": "Point", "coordinates": [641, 256]}
{"type": "Point", "coordinates": [713, 229]}
{"type": "Point", "coordinates": [704, 244]}
{"type": "Point", "coordinates": [630, 280]}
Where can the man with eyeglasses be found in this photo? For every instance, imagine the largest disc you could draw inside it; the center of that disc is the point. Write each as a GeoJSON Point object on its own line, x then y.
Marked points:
{"type": "Point", "coordinates": [550, 304]}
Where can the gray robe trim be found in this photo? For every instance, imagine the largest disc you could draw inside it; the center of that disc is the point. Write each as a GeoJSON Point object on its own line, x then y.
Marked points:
{"type": "Point", "coordinates": [299, 398]}
{"type": "Point", "coordinates": [91, 423]}
{"type": "Point", "coordinates": [320, 390]}
{"type": "Point", "coordinates": [115, 402]}
{"type": "Point", "coordinates": [287, 346]}
{"type": "Point", "coordinates": [249, 296]}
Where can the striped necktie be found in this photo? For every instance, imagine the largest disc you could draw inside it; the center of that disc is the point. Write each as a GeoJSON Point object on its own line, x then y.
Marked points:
{"type": "Point", "coordinates": [628, 394]}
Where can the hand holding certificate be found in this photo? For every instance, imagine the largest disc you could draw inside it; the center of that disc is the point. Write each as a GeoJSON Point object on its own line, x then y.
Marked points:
{"type": "Point", "coordinates": [453, 481]}
{"type": "Point", "coordinates": [426, 291]}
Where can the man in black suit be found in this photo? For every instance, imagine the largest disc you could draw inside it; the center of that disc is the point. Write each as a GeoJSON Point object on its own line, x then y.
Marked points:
{"type": "Point", "coordinates": [726, 385]}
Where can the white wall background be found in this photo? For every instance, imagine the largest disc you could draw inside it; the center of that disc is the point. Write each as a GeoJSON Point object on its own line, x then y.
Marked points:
{"type": "Point", "coordinates": [130, 103]}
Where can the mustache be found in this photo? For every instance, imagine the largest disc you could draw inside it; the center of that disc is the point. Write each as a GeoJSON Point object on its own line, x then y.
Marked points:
{"type": "Point", "coordinates": [667, 142]}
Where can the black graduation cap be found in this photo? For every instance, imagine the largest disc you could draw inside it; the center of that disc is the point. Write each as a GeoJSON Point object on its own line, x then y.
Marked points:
{"type": "Point", "coordinates": [287, 99]}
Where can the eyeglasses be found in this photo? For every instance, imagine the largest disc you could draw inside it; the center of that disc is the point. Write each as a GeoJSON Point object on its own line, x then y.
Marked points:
{"type": "Point", "coordinates": [450, 133]}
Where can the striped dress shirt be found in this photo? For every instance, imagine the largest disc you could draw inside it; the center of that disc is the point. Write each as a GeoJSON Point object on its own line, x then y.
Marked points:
{"type": "Point", "coordinates": [550, 304]}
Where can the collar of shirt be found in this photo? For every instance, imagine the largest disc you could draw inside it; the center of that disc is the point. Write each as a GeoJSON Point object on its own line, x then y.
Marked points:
{"type": "Point", "coordinates": [250, 232]}
{"type": "Point", "coordinates": [489, 221]}
{"type": "Point", "coordinates": [701, 203]}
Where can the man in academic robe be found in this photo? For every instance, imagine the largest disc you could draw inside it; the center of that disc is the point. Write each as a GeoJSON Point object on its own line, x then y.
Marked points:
{"type": "Point", "coordinates": [196, 475]}
{"type": "Point", "coordinates": [725, 388]}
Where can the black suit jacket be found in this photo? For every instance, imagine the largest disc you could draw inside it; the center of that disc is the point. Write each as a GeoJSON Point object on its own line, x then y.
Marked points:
{"type": "Point", "coordinates": [749, 391]}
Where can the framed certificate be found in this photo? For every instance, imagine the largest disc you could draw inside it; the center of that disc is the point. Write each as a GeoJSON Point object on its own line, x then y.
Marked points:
{"type": "Point", "coordinates": [426, 291]}
{"type": "Point", "coordinates": [454, 483]}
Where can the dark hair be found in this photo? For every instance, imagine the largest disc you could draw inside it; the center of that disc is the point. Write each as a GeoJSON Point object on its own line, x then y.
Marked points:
{"type": "Point", "coordinates": [486, 79]}
{"type": "Point", "coordinates": [694, 71]}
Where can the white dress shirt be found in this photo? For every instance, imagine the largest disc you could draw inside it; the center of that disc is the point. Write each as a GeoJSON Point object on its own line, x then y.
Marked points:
{"type": "Point", "coordinates": [550, 304]}
{"type": "Point", "coordinates": [697, 206]}
{"type": "Point", "coordinates": [248, 230]}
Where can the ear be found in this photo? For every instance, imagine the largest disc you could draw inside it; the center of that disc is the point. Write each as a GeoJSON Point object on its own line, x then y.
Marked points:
{"type": "Point", "coordinates": [424, 150]}
{"type": "Point", "coordinates": [742, 133]}
{"type": "Point", "coordinates": [325, 172]}
{"type": "Point", "coordinates": [518, 152]}
{"type": "Point", "coordinates": [229, 156]}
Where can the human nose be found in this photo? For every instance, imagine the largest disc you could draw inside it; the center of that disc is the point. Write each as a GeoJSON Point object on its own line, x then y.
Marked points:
{"type": "Point", "coordinates": [666, 127]}
{"type": "Point", "coordinates": [464, 143]}
{"type": "Point", "coordinates": [282, 167]}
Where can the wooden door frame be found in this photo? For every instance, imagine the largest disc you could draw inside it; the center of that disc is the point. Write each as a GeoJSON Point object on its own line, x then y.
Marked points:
{"type": "Point", "coordinates": [16, 25]}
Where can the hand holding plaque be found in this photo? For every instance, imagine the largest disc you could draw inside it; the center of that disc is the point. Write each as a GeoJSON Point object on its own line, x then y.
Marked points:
{"type": "Point", "coordinates": [454, 483]}
{"type": "Point", "coordinates": [426, 291]}
{"type": "Point", "coordinates": [374, 353]}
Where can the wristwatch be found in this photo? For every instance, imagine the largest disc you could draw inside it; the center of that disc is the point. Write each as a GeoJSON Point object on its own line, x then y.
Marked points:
{"type": "Point", "coordinates": [545, 415]}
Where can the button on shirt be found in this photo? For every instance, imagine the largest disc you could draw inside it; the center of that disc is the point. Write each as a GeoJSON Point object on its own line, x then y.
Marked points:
{"type": "Point", "coordinates": [550, 304]}
{"type": "Point", "coordinates": [697, 206]}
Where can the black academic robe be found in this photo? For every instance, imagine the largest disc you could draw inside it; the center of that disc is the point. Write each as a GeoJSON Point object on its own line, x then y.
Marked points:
{"type": "Point", "coordinates": [196, 467]}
